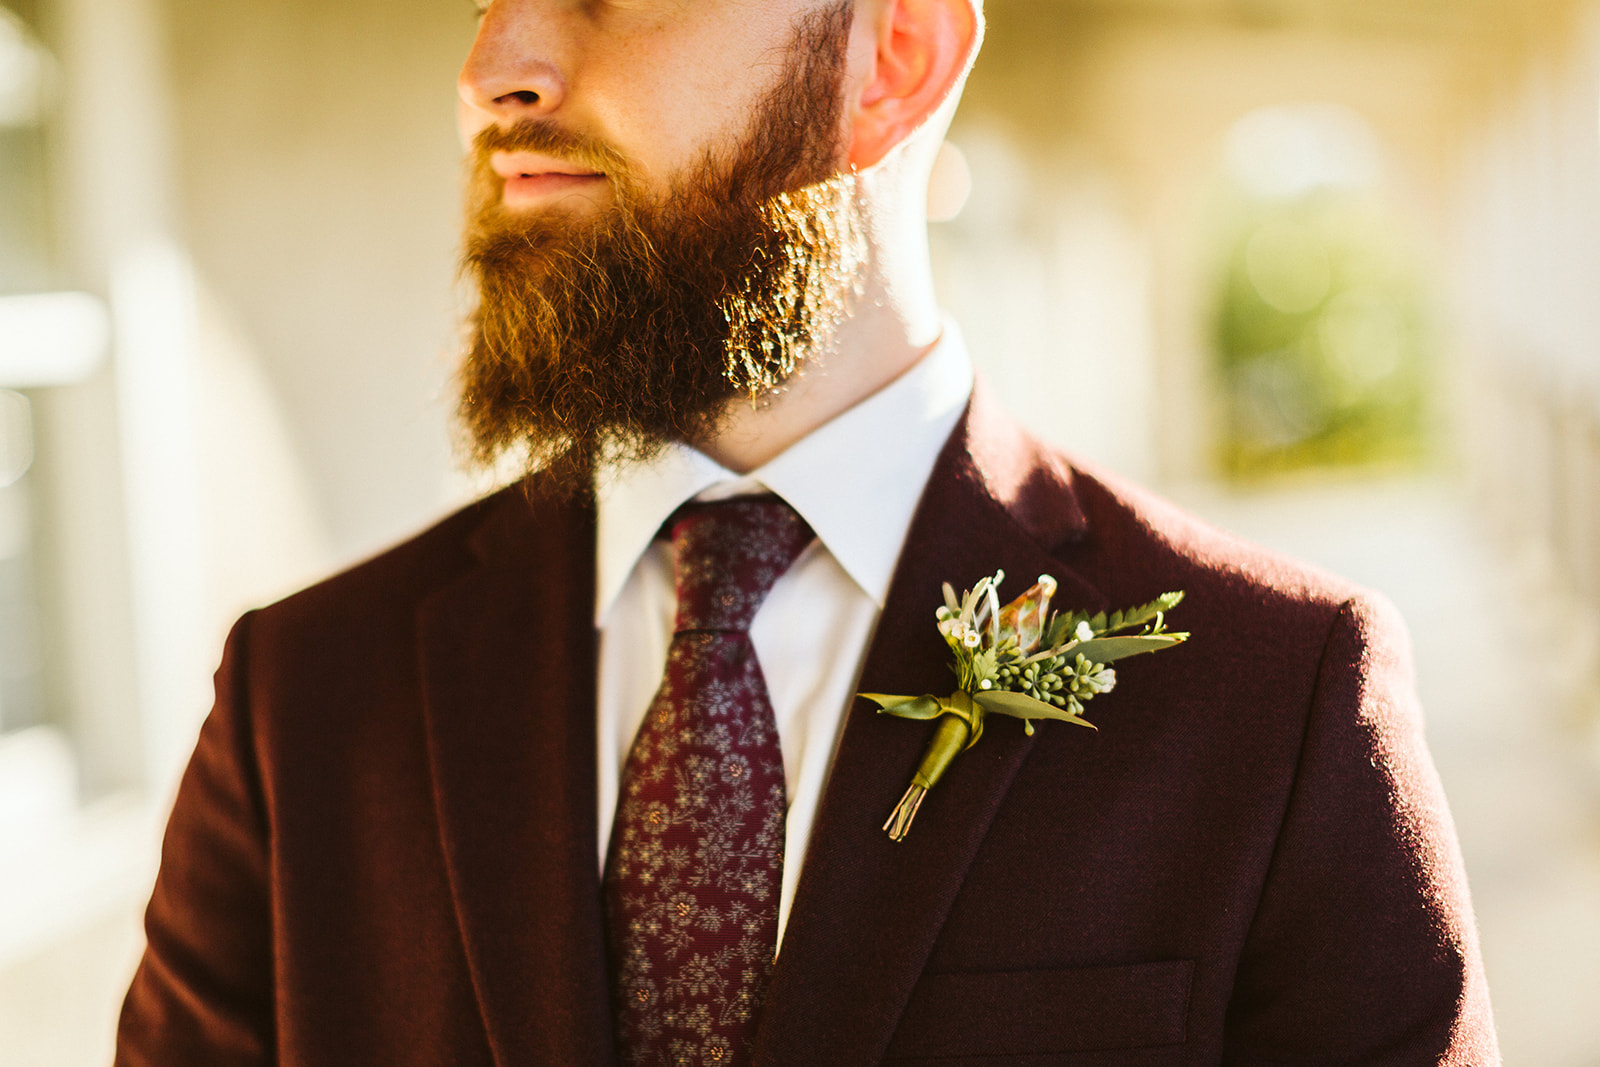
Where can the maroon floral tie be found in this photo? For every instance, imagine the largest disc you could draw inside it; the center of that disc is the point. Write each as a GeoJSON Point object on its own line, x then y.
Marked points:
{"type": "Point", "coordinates": [696, 859]}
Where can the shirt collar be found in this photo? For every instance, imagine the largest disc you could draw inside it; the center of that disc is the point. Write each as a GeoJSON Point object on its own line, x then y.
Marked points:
{"type": "Point", "coordinates": [859, 509]}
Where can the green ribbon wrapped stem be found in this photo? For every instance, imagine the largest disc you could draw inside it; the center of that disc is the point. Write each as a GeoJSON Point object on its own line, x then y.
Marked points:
{"type": "Point", "coordinates": [953, 735]}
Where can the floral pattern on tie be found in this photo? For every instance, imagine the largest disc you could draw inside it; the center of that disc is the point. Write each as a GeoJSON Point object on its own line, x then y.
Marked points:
{"type": "Point", "coordinates": [696, 859]}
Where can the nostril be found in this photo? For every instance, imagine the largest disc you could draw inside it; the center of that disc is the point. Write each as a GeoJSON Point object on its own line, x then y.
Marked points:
{"type": "Point", "coordinates": [525, 97]}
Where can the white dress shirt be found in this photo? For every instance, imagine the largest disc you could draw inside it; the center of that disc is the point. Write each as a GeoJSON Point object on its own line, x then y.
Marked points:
{"type": "Point", "coordinates": [857, 481]}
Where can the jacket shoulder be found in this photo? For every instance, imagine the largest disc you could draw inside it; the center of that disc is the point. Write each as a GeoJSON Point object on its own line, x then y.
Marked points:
{"type": "Point", "coordinates": [389, 586]}
{"type": "Point", "coordinates": [1124, 540]}
{"type": "Point", "coordinates": [1135, 536]}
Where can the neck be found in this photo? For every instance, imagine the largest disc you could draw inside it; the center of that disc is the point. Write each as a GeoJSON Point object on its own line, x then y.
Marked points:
{"type": "Point", "coordinates": [895, 322]}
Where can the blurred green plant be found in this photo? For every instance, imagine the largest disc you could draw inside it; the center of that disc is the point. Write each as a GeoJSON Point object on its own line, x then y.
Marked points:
{"type": "Point", "coordinates": [1321, 340]}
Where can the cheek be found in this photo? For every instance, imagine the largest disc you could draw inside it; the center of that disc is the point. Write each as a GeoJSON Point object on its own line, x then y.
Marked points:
{"type": "Point", "coordinates": [659, 131]}
{"type": "Point", "coordinates": [667, 131]}
{"type": "Point", "coordinates": [693, 83]}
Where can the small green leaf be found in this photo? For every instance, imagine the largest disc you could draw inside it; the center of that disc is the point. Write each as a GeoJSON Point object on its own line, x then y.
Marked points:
{"type": "Point", "coordinates": [1111, 649]}
{"type": "Point", "coordinates": [1017, 705]}
{"type": "Point", "coordinates": [923, 707]}
{"type": "Point", "coordinates": [1024, 707]}
{"type": "Point", "coordinates": [1144, 613]}
{"type": "Point", "coordinates": [1065, 715]}
{"type": "Point", "coordinates": [985, 665]}
{"type": "Point", "coordinates": [1061, 627]}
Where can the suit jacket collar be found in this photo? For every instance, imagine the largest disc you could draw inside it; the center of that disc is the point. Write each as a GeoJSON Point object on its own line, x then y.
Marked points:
{"type": "Point", "coordinates": [508, 655]}
{"type": "Point", "coordinates": [508, 671]}
{"type": "Point", "coordinates": [996, 499]}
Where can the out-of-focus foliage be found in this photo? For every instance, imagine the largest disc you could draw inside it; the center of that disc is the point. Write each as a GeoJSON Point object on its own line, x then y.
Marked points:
{"type": "Point", "coordinates": [1321, 340]}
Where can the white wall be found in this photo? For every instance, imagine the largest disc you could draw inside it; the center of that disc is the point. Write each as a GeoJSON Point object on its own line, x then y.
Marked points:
{"type": "Point", "coordinates": [1527, 283]}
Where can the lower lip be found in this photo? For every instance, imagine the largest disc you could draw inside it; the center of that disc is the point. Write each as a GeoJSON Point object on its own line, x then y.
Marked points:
{"type": "Point", "coordinates": [539, 188]}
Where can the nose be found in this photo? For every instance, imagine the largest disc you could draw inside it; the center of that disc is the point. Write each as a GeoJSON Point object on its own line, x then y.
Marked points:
{"type": "Point", "coordinates": [511, 72]}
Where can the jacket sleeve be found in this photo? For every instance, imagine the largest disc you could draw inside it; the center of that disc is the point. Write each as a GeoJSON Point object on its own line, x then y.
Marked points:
{"type": "Point", "coordinates": [1363, 948]}
{"type": "Point", "coordinates": [203, 991]}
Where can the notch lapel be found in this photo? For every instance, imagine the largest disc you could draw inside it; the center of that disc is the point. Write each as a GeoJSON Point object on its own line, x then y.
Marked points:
{"type": "Point", "coordinates": [868, 910]}
{"type": "Point", "coordinates": [508, 665]}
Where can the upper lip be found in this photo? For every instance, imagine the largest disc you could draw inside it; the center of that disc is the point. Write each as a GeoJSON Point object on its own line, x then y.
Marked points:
{"type": "Point", "coordinates": [527, 164]}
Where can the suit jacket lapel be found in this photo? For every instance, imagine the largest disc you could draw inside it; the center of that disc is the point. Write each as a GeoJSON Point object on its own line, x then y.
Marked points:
{"type": "Point", "coordinates": [867, 910]}
{"type": "Point", "coordinates": [508, 663]}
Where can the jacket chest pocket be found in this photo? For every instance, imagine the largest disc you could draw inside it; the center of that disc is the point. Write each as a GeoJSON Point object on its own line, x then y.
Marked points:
{"type": "Point", "coordinates": [1038, 1013]}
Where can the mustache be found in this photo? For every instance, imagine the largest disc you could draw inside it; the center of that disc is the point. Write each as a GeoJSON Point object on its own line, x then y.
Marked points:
{"type": "Point", "coordinates": [551, 139]}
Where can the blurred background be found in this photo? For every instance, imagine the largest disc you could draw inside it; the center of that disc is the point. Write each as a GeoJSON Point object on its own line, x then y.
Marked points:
{"type": "Point", "coordinates": [1326, 271]}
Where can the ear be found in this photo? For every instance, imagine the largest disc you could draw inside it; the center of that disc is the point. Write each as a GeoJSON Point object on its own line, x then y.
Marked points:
{"type": "Point", "coordinates": [920, 51]}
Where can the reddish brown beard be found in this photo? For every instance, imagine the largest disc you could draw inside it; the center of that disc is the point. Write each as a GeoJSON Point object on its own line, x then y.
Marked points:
{"type": "Point", "coordinates": [598, 340]}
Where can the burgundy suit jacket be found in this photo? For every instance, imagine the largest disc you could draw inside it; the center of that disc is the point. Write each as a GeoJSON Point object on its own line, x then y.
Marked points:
{"type": "Point", "coordinates": [383, 851]}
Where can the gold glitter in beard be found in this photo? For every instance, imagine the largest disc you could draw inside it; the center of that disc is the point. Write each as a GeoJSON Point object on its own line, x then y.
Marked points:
{"type": "Point", "coordinates": [600, 337]}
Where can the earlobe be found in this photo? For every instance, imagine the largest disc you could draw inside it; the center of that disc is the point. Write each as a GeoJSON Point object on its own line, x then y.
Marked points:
{"type": "Point", "coordinates": [920, 50]}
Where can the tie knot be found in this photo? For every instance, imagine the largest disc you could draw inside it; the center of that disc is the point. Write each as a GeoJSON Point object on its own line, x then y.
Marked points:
{"type": "Point", "coordinates": [729, 554]}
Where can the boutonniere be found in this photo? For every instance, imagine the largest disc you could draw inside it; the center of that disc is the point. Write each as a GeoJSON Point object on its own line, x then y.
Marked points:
{"type": "Point", "coordinates": [1020, 660]}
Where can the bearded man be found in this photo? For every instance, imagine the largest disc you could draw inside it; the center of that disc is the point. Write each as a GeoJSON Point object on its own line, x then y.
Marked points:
{"type": "Point", "coordinates": [577, 776]}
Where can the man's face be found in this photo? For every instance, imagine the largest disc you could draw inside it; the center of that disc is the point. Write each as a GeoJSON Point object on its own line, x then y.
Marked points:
{"type": "Point", "coordinates": [656, 219]}
{"type": "Point", "coordinates": [659, 81]}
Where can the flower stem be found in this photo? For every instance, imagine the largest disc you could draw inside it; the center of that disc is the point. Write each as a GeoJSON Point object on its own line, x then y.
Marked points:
{"type": "Point", "coordinates": [946, 745]}
{"type": "Point", "coordinates": [899, 822]}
